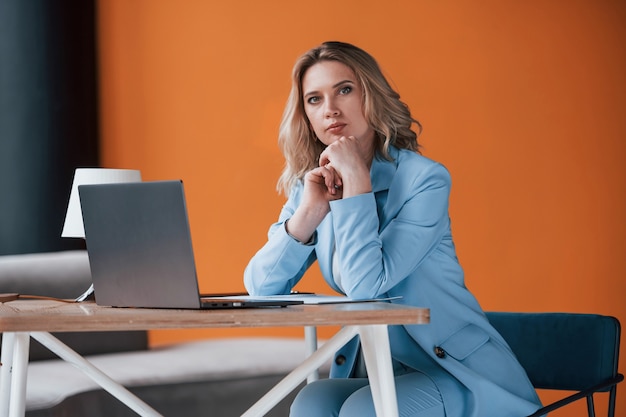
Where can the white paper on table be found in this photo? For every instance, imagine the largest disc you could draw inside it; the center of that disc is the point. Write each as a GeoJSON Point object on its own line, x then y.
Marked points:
{"type": "Point", "coordinates": [310, 298]}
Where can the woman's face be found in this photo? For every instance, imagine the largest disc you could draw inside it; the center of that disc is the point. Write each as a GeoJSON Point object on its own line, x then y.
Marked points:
{"type": "Point", "coordinates": [333, 103]}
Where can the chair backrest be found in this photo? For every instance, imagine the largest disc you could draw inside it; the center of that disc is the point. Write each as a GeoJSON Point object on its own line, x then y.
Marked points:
{"type": "Point", "coordinates": [562, 351]}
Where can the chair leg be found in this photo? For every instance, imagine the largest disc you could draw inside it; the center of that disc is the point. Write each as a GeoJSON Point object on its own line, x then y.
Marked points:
{"type": "Point", "coordinates": [590, 408]}
{"type": "Point", "coordinates": [612, 394]}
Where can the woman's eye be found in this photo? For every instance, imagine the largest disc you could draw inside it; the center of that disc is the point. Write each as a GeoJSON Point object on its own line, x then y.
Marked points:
{"type": "Point", "coordinates": [313, 100]}
{"type": "Point", "coordinates": [345, 90]}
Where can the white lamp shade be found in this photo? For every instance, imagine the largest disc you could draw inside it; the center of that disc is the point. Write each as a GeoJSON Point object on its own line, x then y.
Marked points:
{"type": "Point", "coordinates": [73, 226]}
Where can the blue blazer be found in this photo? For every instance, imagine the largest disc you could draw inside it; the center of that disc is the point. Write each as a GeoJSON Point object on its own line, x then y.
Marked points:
{"type": "Point", "coordinates": [396, 241]}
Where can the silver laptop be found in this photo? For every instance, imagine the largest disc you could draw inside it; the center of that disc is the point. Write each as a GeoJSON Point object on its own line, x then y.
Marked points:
{"type": "Point", "coordinates": [140, 250]}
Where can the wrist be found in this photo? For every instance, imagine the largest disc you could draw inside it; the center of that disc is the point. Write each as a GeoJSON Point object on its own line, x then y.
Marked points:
{"type": "Point", "coordinates": [308, 242]}
{"type": "Point", "coordinates": [356, 182]}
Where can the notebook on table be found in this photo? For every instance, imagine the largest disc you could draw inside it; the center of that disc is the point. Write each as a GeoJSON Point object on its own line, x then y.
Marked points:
{"type": "Point", "coordinates": [140, 249]}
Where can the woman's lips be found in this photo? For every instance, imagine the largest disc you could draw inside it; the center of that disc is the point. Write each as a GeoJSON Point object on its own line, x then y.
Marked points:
{"type": "Point", "coordinates": [336, 128]}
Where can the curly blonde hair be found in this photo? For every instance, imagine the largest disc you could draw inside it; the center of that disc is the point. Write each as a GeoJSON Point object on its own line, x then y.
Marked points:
{"type": "Point", "coordinates": [388, 116]}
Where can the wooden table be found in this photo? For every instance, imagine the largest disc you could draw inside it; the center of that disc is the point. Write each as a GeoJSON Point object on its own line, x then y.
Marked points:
{"type": "Point", "coordinates": [22, 319]}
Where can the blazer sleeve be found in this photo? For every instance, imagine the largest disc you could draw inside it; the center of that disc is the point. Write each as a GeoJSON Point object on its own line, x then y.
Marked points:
{"type": "Point", "coordinates": [378, 250]}
{"type": "Point", "coordinates": [278, 266]}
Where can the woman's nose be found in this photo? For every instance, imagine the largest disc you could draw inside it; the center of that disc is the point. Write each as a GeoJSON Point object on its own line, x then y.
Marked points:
{"type": "Point", "coordinates": [331, 110]}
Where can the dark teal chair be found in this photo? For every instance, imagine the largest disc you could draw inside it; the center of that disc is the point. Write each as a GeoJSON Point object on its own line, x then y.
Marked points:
{"type": "Point", "coordinates": [563, 351]}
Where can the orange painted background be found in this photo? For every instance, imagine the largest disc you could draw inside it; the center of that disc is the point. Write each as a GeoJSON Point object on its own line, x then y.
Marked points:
{"type": "Point", "coordinates": [523, 101]}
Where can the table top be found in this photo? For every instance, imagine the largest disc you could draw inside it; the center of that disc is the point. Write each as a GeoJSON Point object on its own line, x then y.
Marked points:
{"type": "Point", "coordinates": [56, 316]}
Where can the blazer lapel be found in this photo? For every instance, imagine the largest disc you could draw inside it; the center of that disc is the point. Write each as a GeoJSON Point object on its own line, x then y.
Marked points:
{"type": "Point", "coordinates": [383, 174]}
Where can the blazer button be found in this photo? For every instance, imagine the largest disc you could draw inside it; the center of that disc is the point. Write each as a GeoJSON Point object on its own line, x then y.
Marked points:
{"type": "Point", "coordinates": [440, 352]}
{"type": "Point", "coordinates": [340, 360]}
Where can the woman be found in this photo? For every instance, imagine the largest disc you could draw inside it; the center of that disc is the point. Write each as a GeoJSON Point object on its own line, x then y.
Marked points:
{"type": "Point", "coordinates": [374, 213]}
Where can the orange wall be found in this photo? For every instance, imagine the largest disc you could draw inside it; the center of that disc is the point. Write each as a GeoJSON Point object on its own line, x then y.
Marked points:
{"type": "Point", "coordinates": [524, 102]}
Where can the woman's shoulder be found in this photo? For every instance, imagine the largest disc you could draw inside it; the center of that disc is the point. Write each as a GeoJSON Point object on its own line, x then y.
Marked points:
{"type": "Point", "coordinates": [418, 164]}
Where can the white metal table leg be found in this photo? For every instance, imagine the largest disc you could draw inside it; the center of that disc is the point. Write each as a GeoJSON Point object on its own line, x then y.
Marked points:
{"type": "Point", "coordinates": [310, 340]}
{"type": "Point", "coordinates": [17, 398]}
{"type": "Point", "coordinates": [377, 355]}
{"type": "Point", "coordinates": [291, 381]}
{"type": "Point", "coordinates": [6, 370]}
{"type": "Point", "coordinates": [117, 390]}
{"type": "Point", "coordinates": [374, 340]}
